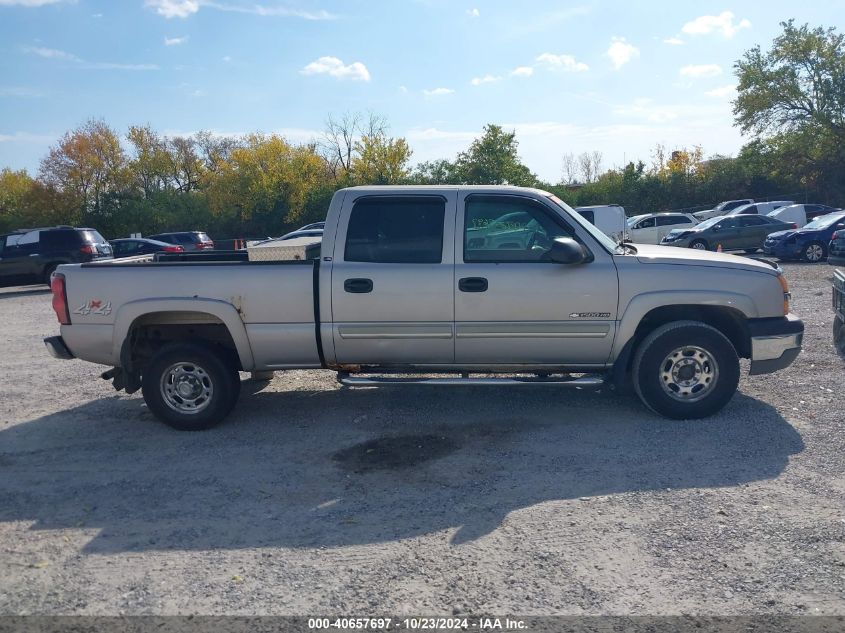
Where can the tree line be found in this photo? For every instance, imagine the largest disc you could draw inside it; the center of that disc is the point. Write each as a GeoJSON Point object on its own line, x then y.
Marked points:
{"type": "Point", "coordinates": [790, 101]}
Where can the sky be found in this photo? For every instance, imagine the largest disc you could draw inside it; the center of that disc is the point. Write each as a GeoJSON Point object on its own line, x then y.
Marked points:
{"type": "Point", "coordinates": [568, 77]}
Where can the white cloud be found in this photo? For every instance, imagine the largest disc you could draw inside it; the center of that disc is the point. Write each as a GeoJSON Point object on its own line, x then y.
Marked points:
{"type": "Point", "coordinates": [26, 137]}
{"type": "Point", "coordinates": [114, 66]}
{"type": "Point", "coordinates": [20, 91]}
{"type": "Point", "coordinates": [473, 13]}
{"type": "Point", "coordinates": [185, 8]}
{"type": "Point", "coordinates": [438, 92]}
{"type": "Point", "coordinates": [722, 91]}
{"type": "Point", "coordinates": [562, 62]}
{"type": "Point", "coordinates": [674, 41]}
{"type": "Point", "coordinates": [51, 53]}
{"type": "Point", "coordinates": [522, 71]}
{"type": "Point", "coordinates": [486, 79]}
{"type": "Point", "coordinates": [724, 23]}
{"type": "Point", "coordinates": [701, 70]}
{"type": "Point", "coordinates": [621, 52]}
{"type": "Point", "coordinates": [227, 58]}
{"type": "Point", "coordinates": [175, 41]}
{"type": "Point", "coordinates": [336, 68]}
{"type": "Point", "coordinates": [31, 3]}
{"type": "Point", "coordinates": [174, 8]}
{"type": "Point", "coordinates": [403, 90]}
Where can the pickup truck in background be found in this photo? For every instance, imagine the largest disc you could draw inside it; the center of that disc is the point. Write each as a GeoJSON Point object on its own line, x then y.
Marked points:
{"type": "Point", "coordinates": [475, 284]}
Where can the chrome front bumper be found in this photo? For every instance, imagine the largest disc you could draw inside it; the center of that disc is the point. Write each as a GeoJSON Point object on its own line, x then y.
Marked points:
{"type": "Point", "coordinates": [775, 343]}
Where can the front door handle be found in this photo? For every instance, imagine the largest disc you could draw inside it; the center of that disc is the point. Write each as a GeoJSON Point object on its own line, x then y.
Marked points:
{"type": "Point", "coordinates": [472, 284]}
{"type": "Point", "coordinates": [358, 286]}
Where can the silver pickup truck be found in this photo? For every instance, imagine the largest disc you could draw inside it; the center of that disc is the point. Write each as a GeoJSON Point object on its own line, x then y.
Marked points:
{"type": "Point", "coordinates": [440, 286]}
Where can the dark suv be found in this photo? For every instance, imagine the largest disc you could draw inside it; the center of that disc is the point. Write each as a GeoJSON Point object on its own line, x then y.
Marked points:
{"type": "Point", "coordinates": [31, 255]}
{"type": "Point", "coordinates": [189, 240]}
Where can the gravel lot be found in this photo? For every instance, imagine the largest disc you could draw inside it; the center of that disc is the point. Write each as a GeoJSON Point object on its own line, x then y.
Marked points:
{"type": "Point", "coordinates": [474, 500]}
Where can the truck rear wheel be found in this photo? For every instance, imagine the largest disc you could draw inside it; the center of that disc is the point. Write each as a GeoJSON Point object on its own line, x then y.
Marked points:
{"type": "Point", "coordinates": [685, 370]}
{"type": "Point", "coordinates": [189, 386]}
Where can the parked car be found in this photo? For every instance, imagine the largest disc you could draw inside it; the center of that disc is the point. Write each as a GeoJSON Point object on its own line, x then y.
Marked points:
{"type": "Point", "coordinates": [650, 228]}
{"type": "Point", "coordinates": [313, 225]}
{"type": "Point", "coordinates": [128, 247]}
{"type": "Point", "coordinates": [809, 243]}
{"type": "Point", "coordinates": [836, 249]}
{"type": "Point", "coordinates": [800, 214]}
{"type": "Point", "coordinates": [760, 208]}
{"type": "Point", "coordinates": [458, 280]}
{"type": "Point", "coordinates": [32, 255]}
{"type": "Point", "coordinates": [610, 219]}
{"type": "Point", "coordinates": [301, 233]}
{"type": "Point", "coordinates": [721, 209]}
{"type": "Point", "coordinates": [189, 240]}
{"type": "Point", "coordinates": [839, 310]}
{"type": "Point", "coordinates": [731, 232]}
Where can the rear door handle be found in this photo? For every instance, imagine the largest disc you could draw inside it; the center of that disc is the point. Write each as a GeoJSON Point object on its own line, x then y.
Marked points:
{"type": "Point", "coordinates": [472, 284]}
{"type": "Point", "coordinates": [358, 286]}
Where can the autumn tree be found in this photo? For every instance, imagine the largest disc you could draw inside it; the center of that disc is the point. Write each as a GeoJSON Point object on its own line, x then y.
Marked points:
{"type": "Point", "coordinates": [380, 160]}
{"type": "Point", "coordinates": [86, 165]}
{"type": "Point", "coordinates": [267, 178]}
{"type": "Point", "coordinates": [340, 144]}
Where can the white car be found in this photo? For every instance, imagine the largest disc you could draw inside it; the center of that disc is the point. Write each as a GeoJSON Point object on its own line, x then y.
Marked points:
{"type": "Point", "coordinates": [761, 208]}
{"type": "Point", "coordinates": [650, 228]}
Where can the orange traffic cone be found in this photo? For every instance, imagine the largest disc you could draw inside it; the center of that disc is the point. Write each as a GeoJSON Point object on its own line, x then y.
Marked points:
{"type": "Point", "coordinates": [718, 248]}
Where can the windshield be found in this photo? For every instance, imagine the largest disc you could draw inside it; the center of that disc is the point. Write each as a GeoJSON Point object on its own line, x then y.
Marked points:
{"type": "Point", "coordinates": [708, 223]}
{"type": "Point", "coordinates": [633, 220]}
{"type": "Point", "coordinates": [825, 221]}
{"type": "Point", "coordinates": [600, 237]}
{"type": "Point", "coordinates": [721, 205]}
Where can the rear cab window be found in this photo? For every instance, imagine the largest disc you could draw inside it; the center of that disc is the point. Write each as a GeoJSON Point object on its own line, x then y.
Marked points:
{"type": "Point", "coordinates": [396, 230]}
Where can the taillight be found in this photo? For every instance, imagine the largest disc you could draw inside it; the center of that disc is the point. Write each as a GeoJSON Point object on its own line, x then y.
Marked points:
{"type": "Point", "coordinates": [786, 296]}
{"type": "Point", "coordinates": [57, 287]}
{"type": "Point", "coordinates": [838, 234]}
{"type": "Point", "coordinates": [793, 226]}
{"type": "Point", "coordinates": [173, 249]}
{"type": "Point", "coordinates": [88, 249]}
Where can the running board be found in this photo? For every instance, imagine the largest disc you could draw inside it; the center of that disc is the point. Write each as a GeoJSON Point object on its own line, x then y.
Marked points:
{"type": "Point", "coordinates": [562, 381]}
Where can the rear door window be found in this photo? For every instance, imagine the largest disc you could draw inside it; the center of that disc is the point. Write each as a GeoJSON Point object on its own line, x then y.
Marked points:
{"type": "Point", "coordinates": [399, 230]}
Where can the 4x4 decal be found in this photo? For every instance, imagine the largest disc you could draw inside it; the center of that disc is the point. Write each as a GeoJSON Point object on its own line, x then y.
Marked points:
{"type": "Point", "coordinates": [94, 306]}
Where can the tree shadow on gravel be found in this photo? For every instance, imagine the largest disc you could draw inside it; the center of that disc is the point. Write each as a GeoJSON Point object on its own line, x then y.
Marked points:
{"type": "Point", "coordinates": [15, 292]}
{"type": "Point", "coordinates": [297, 469]}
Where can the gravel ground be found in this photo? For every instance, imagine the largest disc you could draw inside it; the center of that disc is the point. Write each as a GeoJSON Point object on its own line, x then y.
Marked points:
{"type": "Point", "coordinates": [414, 500]}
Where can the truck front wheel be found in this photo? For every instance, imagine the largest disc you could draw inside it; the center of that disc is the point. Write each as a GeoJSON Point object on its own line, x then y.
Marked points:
{"type": "Point", "coordinates": [685, 370]}
{"type": "Point", "coordinates": [189, 387]}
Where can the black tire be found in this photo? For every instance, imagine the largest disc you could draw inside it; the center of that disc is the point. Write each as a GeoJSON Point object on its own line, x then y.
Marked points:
{"type": "Point", "coordinates": [810, 252]}
{"type": "Point", "coordinates": [48, 271]}
{"type": "Point", "coordinates": [653, 360]}
{"type": "Point", "coordinates": [204, 368]}
{"type": "Point", "coordinates": [839, 335]}
{"type": "Point", "coordinates": [699, 244]}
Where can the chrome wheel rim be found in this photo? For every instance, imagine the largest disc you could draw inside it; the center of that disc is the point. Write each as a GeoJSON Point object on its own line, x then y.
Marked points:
{"type": "Point", "coordinates": [814, 252]}
{"type": "Point", "coordinates": [186, 388]}
{"type": "Point", "coordinates": [689, 373]}
{"type": "Point", "coordinates": [699, 246]}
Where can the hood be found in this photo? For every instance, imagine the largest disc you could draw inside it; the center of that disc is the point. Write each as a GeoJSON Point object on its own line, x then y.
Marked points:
{"type": "Point", "coordinates": [782, 235]}
{"type": "Point", "coordinates": [689, 229]}
{"type": "Point", "coordinates": [648, 254]}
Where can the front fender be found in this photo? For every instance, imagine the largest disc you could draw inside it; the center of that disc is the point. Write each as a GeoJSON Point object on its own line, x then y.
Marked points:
{"type": "Point", "coordinates": [644, 303]}
{"type": "Point", "coordinates": [128, 313]}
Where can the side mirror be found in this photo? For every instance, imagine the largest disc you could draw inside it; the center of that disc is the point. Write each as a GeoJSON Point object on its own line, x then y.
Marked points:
{"type": "Point", "coordinates": [565, 250]}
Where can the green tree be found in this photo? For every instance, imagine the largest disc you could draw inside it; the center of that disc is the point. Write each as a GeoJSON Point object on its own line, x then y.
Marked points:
{"type": "Point", "coordinates": [492, 159]}
{"type": "Point", "coordinates": [793, 97]}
